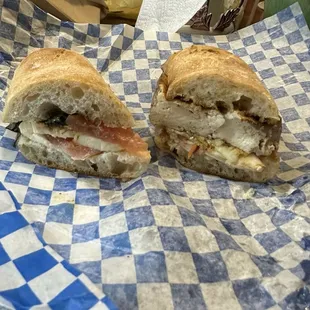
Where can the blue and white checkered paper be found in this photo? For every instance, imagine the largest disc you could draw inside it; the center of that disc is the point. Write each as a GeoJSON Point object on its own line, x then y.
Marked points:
{"type": "Point", "coordinates": [174, 238]}
{"type": "Point", "coordinates": [32, 273]}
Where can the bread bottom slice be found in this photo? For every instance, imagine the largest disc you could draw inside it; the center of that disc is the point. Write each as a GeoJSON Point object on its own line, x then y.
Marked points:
{"type": "Point", "coordinates": [203, 163]}
{"type": "Point", "coordinates": [108, 165]}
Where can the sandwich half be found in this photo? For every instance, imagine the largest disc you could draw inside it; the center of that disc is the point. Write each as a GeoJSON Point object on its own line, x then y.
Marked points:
{"type": "Point", "coordinates": [70, 119]}
{"type": "Point", "coordinates": [214, 115]}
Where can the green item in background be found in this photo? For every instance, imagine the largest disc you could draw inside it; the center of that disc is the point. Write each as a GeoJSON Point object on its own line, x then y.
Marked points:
{"type": "Point", "coordinates": [274, 6]}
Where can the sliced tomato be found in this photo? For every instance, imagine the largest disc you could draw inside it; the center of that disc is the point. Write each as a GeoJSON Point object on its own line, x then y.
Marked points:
{"type": "Point", "coordinates": [192, 150]}
{"type": "Point", "coordinates": [124, 137]}
{"type": "Point", "coordinates": [74, 150]}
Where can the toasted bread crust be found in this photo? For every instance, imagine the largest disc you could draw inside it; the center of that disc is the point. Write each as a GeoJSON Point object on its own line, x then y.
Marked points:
{"type": "Point", "coordinates": [223, 73]}
{"type": "Point", "coordinates": [56, 68]}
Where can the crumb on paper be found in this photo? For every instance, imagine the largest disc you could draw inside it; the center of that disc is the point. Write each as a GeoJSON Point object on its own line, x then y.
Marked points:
{"type": "Point", "coordinates": [249, 194]}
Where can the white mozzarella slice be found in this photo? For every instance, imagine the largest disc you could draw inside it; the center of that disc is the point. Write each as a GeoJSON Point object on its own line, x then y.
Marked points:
{"type": "Point", "coordinates": [97, 144]}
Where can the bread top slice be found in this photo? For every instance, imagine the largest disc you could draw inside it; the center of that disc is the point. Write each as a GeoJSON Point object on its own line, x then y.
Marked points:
{"type": "Point", "coordinates": [214, 78]}
{"type": "Point", "coordinates": [53, 79]}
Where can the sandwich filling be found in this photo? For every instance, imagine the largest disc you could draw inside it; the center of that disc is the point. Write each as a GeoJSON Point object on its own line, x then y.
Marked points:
{"type": "Point", "coordinates": [234, 127]}
{"type": "Point", "coordinates": [227, 135]}
{"type": "Point", "coordinates": [81, 139]}
{"type": "Point", "coordinates": [180, 143]}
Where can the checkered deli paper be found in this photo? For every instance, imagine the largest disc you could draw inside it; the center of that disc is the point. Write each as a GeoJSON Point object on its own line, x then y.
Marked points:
{"type": "Point", "coordinates": [173, 238]}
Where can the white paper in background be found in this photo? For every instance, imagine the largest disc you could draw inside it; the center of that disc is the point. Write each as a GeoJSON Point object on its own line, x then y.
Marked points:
{"type": "Point", "coordinates": [167, 15]}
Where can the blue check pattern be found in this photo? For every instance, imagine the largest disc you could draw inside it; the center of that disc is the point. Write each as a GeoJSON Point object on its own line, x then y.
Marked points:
{"type": "Point", "coordinates": [173, 238]}
{"type": "Point", "coordinates": [34, 274]}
